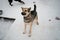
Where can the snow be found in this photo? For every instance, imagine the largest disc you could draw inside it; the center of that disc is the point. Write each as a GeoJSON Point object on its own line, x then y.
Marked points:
{"type": "Point", "coordinates": [4, 27]}
{"type": "Point", "coordinates": [46, 30]}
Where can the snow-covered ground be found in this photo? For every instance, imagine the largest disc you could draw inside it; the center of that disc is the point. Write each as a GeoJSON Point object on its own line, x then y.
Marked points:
{"type": "Point", "coordinates": [5, 25]}
{"type": "Point", "coordinates": [46, 30]}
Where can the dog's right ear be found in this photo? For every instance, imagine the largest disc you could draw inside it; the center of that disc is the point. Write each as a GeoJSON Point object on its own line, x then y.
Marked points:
{"type": "Point", "coordinates": [29, 8]}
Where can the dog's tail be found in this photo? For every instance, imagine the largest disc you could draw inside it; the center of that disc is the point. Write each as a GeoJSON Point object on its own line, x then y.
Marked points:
{"type": "Point", "coordinates": [34, 6]}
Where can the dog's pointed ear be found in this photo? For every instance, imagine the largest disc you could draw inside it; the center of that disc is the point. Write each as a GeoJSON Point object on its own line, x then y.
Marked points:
{"type": "Point", "coordinates": [22, 8]}
{"type": "Point", "coordinates": [30, 8]}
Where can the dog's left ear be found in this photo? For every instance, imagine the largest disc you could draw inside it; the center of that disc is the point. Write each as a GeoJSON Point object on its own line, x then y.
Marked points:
{"type": "Point", "coordinates": [29, 8]}
{"type": "Point", "coordinates": [22, 8]}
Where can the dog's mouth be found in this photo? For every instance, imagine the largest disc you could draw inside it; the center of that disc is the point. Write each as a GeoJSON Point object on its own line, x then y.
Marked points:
{"type": "Point", "coordinates": [23, 13]}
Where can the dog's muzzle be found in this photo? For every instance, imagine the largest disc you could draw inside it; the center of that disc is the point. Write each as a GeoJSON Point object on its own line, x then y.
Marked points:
{"type": "Point", "coordinates": [23, 13]}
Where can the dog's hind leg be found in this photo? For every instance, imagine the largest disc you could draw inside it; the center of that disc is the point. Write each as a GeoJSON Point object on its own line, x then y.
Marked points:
{"type": "Point", "coordinates": [10, 3]}
{"type": "Point", "coordinates": [36, 20]}
{"type": "Point", "coordinates": [24, 28]}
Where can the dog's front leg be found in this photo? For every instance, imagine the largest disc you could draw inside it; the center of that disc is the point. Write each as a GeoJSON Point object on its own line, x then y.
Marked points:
{"type": "Point", "coordinates": [24, 28]}
{"type": "Point", "coordinates": [30, 29]}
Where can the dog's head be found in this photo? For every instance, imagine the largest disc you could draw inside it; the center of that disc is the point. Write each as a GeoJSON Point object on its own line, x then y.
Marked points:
{"type": "Point", "coordinates": [25, 11]}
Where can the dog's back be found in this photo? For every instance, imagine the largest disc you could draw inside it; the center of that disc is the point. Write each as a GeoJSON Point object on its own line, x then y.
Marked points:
{"type": "Point", "coordinates": [33, 12]}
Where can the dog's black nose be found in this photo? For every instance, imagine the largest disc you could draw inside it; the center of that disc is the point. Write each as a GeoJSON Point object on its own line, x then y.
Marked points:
{"type": "Point", "coordinates": [23, 13]}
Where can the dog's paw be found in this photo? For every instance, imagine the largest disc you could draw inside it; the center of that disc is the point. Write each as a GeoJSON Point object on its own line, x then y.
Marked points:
{"type": "Point", "coordinates": [11, 5]}
{"type": "Point", "coordinates": [22, 2]}
{"type": "Point", "coordinates": [24, 32]}
{"type": "Point", "coordinates": [29, 35]}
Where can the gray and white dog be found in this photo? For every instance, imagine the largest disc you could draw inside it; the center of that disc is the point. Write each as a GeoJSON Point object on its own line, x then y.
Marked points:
{"type": "Point", "coordinates": [29, 17]}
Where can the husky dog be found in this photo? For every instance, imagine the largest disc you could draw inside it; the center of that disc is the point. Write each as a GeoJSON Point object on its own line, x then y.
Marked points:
{"type": "Point", "coordinates": [10, 1]}
{"type": "Point", "coordinates": [29, 17]}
